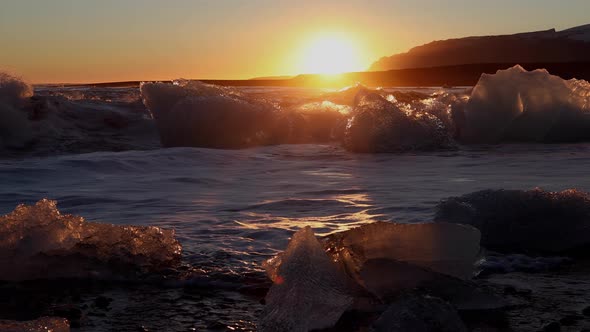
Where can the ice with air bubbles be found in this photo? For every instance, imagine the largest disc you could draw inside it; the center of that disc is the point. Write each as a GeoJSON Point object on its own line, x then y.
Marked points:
{"type": "Point", "coordinates": [39, 242]}
{"type": "Point", "coordinates": [531, 106]}
{"type": "Point", "coordinates": [316, 281]}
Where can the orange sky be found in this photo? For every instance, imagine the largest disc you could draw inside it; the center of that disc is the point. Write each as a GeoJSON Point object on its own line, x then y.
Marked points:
{"type": "Point", "coordinates": [98, 41]}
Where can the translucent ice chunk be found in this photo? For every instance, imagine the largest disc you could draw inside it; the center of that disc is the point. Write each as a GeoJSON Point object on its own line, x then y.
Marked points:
{"type": "Point", "coordinates": [37, 241]}
{"type": "Point", "coordinates": [43, 324]}
{"type": "Point", "coordinates": [515, 104]}
{"type": "Point", "coordinates": [309, 291]}
{"type": "Point", "coordinates": [441, 247]}
{"type": "Point", "coordinates": [378, 125]}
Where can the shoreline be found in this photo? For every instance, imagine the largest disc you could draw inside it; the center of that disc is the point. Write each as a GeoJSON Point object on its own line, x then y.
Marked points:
{"type": "Point", "coordinates": [456, 75]}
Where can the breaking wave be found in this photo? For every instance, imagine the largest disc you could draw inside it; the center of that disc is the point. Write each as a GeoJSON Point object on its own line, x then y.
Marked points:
{"type": "Point", "coordinates": [196, 114]}
{"type": "Point", "coordinates": [511, 105]}
{"type": "Point", "coordinates": [51, 121]}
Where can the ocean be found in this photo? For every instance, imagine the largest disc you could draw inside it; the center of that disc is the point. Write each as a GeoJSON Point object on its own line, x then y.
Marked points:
{"type": "Point", "coordinates": [97, 153]}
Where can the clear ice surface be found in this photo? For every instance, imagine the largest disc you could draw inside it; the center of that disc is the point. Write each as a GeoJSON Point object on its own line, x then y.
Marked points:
{"type": "Point", "coordinates": [38, 242]}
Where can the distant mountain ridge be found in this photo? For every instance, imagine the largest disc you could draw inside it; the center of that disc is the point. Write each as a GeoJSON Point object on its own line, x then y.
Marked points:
{"type": "Point", "coordinates": [571, 45]}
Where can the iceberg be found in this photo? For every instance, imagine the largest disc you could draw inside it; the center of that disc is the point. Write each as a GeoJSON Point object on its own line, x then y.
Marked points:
{"type": "Point", "coordinates": [38, 242]}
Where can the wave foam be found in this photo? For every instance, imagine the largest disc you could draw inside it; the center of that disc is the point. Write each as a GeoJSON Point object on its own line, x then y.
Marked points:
{"type": "Point", "coordinates": [45, 124]}
{"type": "Point", "coordinates": [38, 242]}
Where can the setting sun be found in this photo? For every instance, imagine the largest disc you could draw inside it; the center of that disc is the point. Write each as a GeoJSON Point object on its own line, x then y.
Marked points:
{"type": "Point", "coordinates": [330, 54]}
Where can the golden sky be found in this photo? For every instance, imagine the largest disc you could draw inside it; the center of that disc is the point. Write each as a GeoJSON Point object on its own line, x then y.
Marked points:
{"type": "Point", "coordinates": [102, 41]}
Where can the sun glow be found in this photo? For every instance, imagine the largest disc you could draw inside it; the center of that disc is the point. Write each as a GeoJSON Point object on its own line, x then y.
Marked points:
{"type": "Point", "coordinates": [330, 54]}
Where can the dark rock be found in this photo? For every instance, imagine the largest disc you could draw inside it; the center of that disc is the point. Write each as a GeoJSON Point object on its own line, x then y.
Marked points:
{"type": "Point", "coordinates": [570, 320]}
{"type": "Point", "coordinates": [552, 327]}
{"type": "Point", "coordinates": [540, 222]}
{"type": "Point", "coordinates": [417, 313]}
{"type": "Point", "coordinates": [69, 312]}
{"type": "Point", "coordinates": [72, 313]}
{"type": "Point", "coordinates": [586, 311]}
{"type": "Point", "coordinates": [102, 302]}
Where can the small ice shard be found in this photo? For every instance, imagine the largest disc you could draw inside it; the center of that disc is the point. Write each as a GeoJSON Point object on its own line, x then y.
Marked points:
{"type": "Point", "coordinates": [533, 106]}
{"type": "Point", "coordinates": [309, 290]}
{"type": "Point", "coordinates": [445, 248]}
{"type": "Point", "coordinates": [516, 221]}
{"type": "Point", "coordinates": [38, 242]}
{"type": "Point", "coordinates": [43, 324]}
{"type": "Point", "coordinates": [418, 313]}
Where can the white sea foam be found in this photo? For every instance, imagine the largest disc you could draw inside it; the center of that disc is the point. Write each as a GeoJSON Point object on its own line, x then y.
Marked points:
{"type": "Point", "coordinates": [15, 130]}
{"type": "Point", "coordinates": [58, 122]}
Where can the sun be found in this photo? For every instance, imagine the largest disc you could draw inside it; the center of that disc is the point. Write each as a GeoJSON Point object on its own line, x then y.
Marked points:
{"type": "Point", "coordinates": [330, 54]}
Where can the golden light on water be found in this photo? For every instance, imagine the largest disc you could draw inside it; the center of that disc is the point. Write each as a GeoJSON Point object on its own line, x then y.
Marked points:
{"type": "Point", "coordinates": [330, 53]}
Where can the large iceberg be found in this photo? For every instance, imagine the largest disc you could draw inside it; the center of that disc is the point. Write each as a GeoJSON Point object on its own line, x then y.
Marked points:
{"type": "Point", "coordinates": [519, 105]}
{"type": "Point", "coordinates": [38, 242]}
{"type": "Point", "coordinates": [532, 221]}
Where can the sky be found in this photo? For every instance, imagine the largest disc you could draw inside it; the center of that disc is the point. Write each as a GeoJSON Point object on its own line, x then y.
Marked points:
{"type": "Point", "coordinates": [71, 41]}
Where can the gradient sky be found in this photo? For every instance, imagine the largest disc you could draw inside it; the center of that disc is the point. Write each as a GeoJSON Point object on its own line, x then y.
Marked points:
{"type": "Point", "coordinates": [113, 40]}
